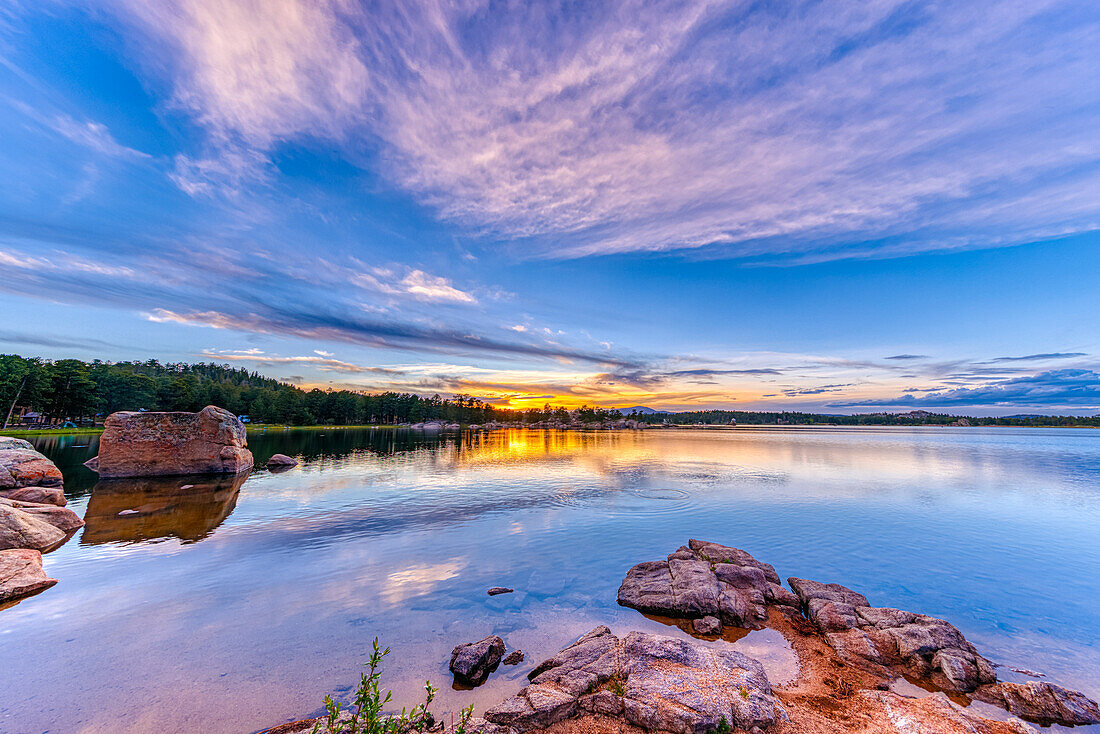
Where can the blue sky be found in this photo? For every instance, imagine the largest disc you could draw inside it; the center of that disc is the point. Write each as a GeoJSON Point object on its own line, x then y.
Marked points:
{"type": "Point", "coordinates": [822, 206]}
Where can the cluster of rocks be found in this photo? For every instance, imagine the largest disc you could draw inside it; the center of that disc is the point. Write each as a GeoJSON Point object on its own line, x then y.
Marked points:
{"type": "Point", "coordinates": [674, 685]}
{"type": "Point", "coordinates": [654, 682]}
{"type": "Point", "coordinates": [33, 518]}
{"type": "Point", "coordinates": [713, 585]}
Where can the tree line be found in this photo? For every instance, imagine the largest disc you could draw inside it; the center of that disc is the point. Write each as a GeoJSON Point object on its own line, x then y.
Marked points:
{"type": "Point", "coordinates": [70, 389]}
{"type": "Point", "coordinates": [73, 390]}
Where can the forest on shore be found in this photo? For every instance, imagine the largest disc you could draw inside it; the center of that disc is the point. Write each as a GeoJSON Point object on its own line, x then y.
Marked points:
{"type": "Point", "coordinates": [82, 392]}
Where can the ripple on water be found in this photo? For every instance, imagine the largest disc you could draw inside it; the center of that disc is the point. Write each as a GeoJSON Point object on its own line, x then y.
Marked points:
{"type": "Point", "coordinates": [626, 501]}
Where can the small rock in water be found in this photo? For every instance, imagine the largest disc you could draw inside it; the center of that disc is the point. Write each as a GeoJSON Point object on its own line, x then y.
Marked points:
{"type": "Point", "coordinates": [514, 658]}
{"type": "Point", "coordinates": [1025, 671]}
{"type": "Point", "coordinates": [129, 512]}
{"type": "Point", "coordinates": [472, 662]}
{"type": "Point", "coordinates": [500, 590]}
{"type": "Point", "coordinates": [282, 461]}
{"type": "Point", "coordinates": [187, 486]}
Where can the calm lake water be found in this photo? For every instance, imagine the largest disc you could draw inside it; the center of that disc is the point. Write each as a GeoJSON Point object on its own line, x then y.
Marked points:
{"type": "Point", "coordinates": [237, 604]}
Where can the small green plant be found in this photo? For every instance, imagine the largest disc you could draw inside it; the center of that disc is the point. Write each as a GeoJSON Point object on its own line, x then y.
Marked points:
{"type": "Point", "coordinates": [616, 686]}
{"type": "Point", "coordinates": [744, 692]}
{"type": "Point", "coordinates": [463, 720]}
{"type": "Point", "coordinates": [368, 704]}
{"type": "Point", "coordinates": [723, 726]}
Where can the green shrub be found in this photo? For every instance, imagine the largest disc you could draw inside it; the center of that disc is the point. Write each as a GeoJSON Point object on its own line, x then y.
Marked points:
{"type": "Point", "coordinates": [368, 703]}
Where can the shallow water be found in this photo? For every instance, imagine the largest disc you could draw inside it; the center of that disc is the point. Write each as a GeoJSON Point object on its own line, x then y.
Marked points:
{"type": "Point", "coordinates": [236, 605]}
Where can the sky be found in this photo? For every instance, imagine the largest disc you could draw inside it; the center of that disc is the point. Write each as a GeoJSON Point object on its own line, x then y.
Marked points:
{"type": "Point", "coordinates": [830, 206]}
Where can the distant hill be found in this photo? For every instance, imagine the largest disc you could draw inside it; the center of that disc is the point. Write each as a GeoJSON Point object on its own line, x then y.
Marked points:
{"type": "Point", "coordinates": [642, 410]}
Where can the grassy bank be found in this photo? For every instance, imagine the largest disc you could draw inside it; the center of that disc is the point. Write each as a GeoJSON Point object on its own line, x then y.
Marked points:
{"type": "Point", "coordinates": [24, 433]}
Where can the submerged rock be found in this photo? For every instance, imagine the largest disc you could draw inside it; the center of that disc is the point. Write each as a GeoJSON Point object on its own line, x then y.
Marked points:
{"type": "Point", "coordinates": [22, 466]}
{"type": "Point", "coordinates": [707, 626]}
{"type": "Point", "coordinates": [654, 682]}
{"type": "Point", "coordinates": [472, 662]}
{"type": "Point", "coordinates": [514, 658]}
{"type": "Point", "coordinates": [1042, 702]}
{"type": "Point", "coordinates": [211, 441]}
{"type": "Point", "coordinates": [21, 574]}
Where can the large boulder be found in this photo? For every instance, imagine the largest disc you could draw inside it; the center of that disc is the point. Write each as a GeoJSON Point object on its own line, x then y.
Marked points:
{"type": "Point", "coordinates": [472, 662]}
{"type": "Point", "coordinates": [704, 580]}
{"type": "Point", "coordinates": [654, 682]}
{"type": "Point", "coordinates": [211, 441]}
{"type": "Point", "coordinates": [21, 574]}
{"type": "Point", "coordinates": [22, 466]}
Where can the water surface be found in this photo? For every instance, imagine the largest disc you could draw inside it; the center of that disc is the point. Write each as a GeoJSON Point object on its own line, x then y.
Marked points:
{"type": "Point", "coordinates": [236, 604]}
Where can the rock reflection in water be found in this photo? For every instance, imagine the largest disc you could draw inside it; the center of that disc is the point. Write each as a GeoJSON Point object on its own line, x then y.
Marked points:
{"type": "Point", "coordinates": [133, 510]}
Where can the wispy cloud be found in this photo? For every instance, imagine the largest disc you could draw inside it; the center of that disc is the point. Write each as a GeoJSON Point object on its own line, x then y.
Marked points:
{"type": "Point", "coordinates": [93, 135]}
{"type": "Point", "coordinates": [324, 364]}
{"type": "Point", "coordinates": [1040, 357]}
{"type": "Point", "coordinates": [320, 326]}
{"type": "Point", "coordinates": [1067, 388]}
{"type": "Point", "coordinates": [802, 132]}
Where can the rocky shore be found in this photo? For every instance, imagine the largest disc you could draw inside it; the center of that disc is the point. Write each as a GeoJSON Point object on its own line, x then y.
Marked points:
{"type": "Point", "coordinates": [851, 657]}
{"type": "Point", "coordinates": [33, 516]}
{"type": "Point", "coordinates": [33, 519]}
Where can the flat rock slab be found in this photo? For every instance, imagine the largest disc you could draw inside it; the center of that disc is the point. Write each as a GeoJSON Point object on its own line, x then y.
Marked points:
{"type": "Point", "coordinates": [703, 580]}
{"type": "Point", "coordinates": [654, 682]}
{"type": "Point", "coordinates": [38, 495]}
{"type": "Point", "coordinates": [211, 441]}
{"type": "Point", "coordinates": [472, 662]}
{"type": "Point", "coordinates": [22, 466]}
{"type": "Point", "coordinates": [1042, 703]}
{"type": "Point", "coordinates": [21, 575]}
{"type": "Point", "coordinates": [19, 529]}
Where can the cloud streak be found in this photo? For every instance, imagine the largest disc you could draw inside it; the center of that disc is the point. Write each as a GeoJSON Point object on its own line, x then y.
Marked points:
{"type": "Point", "coordinates": [783, 132]}
{"type": "Point", "coordinates": [1067, 388]}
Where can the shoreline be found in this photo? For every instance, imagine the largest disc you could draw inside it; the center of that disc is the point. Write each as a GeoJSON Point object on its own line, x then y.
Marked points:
{"type": "Point", "coordinates": [263, 428]}
{"type": "Point", "coordinates": [860, 669]}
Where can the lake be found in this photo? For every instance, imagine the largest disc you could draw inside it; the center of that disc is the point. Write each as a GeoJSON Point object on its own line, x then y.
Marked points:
{"type": "Point", "coordinates": [238, 604]}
